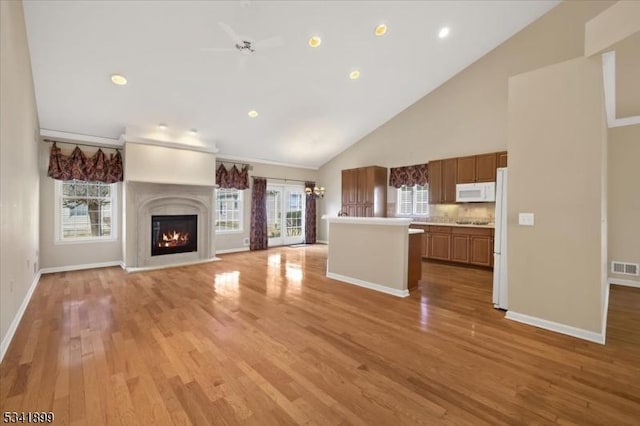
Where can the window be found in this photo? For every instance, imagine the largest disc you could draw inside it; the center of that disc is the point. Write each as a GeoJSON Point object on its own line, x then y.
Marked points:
{"type": "Point", "coordinates": [85, 211]}
{"type": "Point", "coordinates": [413, 201]}
{"type": "Point", "coordinates": [228, 210]}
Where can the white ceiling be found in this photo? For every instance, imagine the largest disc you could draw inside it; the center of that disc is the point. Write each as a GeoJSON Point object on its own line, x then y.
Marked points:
{"type": "Point", "coordinates": [309, 109]}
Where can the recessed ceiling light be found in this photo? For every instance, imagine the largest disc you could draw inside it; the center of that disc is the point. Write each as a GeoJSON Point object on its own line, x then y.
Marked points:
{"type": "Point", "coordinates": [444, 32]}
{"type": "Point", "coordinates": [354, 75]}
{"type": "Point", "coordinates": [193, 131]}
{"type": "Point", "coordinates": [118, 79]}
{"type": "Point", "coordinates": [162, 126]}
{"type": "Point", "coordinates": [381, 30]}
{"type": "Point", "coordinates": [315, 41]}
{"type": "Point", "coordinates": [252, 113]}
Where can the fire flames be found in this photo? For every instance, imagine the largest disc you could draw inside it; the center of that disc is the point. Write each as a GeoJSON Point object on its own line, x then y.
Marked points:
{"type": "Point", "coordinates": [174, 239]}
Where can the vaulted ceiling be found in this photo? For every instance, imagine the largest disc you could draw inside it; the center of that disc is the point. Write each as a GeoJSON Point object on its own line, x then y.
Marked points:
{"type": "Point", "coordinates": [309, 110]}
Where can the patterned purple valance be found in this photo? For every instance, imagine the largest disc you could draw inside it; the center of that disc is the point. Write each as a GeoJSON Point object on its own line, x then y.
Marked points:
{"type": "Point", "coordinates": [409, 175]}
{"type": "Point", "coordinates": [232, 178]}
{"type": "Point", "coordinates": [97, 168]}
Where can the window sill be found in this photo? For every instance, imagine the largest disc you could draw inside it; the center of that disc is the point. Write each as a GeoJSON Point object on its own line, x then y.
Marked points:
{"type": "Point", "coordinates": [239, 231]}
{"type": "Point", "coordinates": [87, 241]}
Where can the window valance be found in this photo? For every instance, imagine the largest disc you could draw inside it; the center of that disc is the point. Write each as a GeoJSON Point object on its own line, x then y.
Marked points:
{"type": "Point", "coordinates": [232, 178]}
{"type": "Point", "coordinates": [97, 168]}
{"type": "Point", "coordinates": [409, 175]}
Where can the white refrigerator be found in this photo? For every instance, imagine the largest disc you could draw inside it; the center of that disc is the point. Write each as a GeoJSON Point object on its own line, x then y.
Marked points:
{"type": "Point", "coordinates": [500, 281]}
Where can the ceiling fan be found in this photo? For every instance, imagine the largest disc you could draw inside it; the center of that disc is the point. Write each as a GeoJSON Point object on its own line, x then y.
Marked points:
{"type": "Point", "coordinates": [246, 46]}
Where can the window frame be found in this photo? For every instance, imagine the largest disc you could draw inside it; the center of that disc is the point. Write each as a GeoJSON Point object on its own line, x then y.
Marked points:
{"type": "Point", "coordinates": [240, 212]}
{"type": "Point", "coordinates": [59, 239]}
{"type": "Point", "coordinates": [414, 201]}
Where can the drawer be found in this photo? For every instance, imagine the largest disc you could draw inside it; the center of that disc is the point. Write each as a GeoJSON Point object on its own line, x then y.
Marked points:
{"type": "Point", "coordinates": [440, 229]}
{"type": "Point", "coordinates": [459, 230]}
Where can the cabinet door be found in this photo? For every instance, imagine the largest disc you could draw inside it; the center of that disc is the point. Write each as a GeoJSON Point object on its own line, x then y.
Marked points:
{"type": "Point", "coordinates": [480, 250]}
{"type": "Point", "coordinates": [368, 210]}
{"type": "Point", "coordinates": [449, 177]}
{"type": "Point", "coordinates": [435, 182]}
{"type": "Point", "coordinates": [460, 250]}
{"type": "Point", "coordinates": [349, 183]}
{"type": "Point", "coordinates": [486, 167]}
{"type": "Point", "coordinates": [466, 172]}
{"type": "Point", "coordinates": [501, 159]}
{"type": "Point", "coordinates": [440, 246]}
{"type": "Point", "coordinates": [362, 185]}
{"type": "Point", "coordinates": [427, 245]}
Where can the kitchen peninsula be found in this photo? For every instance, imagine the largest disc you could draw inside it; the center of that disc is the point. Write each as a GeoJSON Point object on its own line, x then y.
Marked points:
{"type": "Point", "coordinates": [381, 254]}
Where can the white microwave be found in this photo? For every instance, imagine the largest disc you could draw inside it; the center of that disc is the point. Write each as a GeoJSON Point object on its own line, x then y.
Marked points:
{"type": "Point", "coordinates": [484, 192]}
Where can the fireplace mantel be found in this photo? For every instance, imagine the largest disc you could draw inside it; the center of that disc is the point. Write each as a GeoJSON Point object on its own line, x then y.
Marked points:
{"type": "Point", "coordinates": [143, 200]}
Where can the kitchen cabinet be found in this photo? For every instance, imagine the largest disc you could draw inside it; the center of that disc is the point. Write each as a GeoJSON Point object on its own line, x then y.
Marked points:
{"type": "Point", "coordinates": [460, 248]}
{"type": "Point", "coordinates": [435, 182]}
{"type": "Point", "coordinates": [449, 171]}
{"type": "Point", "coordinates": [460, 244]}
{"type": "Point", "coordinates": [440, 242]}
{"type": "Point", "coordinates": [364, 191]}
{"type": "Point", "coordinates": [480, 249]}
{"type": "Point", "coordinates": [486, 167]}
{"type": "Point", "coordinates": [442, 181]}
{"type": "Point", "coordinates": [466, 169]}
{"type": "Point", "coordinates": [501, 159]}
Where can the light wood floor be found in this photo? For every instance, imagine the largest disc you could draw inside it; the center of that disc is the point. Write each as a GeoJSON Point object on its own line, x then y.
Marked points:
{"type": "Point", "coordinates": [264, 338]}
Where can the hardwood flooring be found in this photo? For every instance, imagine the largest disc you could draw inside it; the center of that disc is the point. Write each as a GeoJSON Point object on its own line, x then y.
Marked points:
{"type": "Point", "coordinates": [265, 338]}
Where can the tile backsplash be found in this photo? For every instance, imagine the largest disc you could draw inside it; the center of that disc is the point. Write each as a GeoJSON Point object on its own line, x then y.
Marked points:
{"type": "Point", "coordinates": [451, 212]}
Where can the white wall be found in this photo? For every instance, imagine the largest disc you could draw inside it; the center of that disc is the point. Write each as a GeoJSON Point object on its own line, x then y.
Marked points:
{"type": "Point", "coordinates": [19, 181]}
{"type": "Point", "coordinates": [64, 255]}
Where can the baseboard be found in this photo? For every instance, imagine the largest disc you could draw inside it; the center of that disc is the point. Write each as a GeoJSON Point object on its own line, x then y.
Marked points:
{"type": "Point", "coordinates": [627, 283]}
{"type": "Point", "coordinates": [173, 265]}
{"type": "Point", "coordinates": [80, 267]}
{"type": "Point", "coordinates": [234, 250]}
{"type": "Point", "coordinates": [16, 320]}
{"type": "Point", "coordinates": [369, 285]}
{"type": "Point", "coordinates": [322, 242]}
{"type": "Point", "coordinates": [556, 326]}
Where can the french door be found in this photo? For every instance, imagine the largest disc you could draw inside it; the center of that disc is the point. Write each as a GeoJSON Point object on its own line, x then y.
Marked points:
{"type": "Point", "coordinates": [285, 214]}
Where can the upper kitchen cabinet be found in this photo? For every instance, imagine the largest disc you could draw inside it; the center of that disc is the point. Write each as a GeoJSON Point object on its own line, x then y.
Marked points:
{"type": "Point", "coordinates": [501, 159]}
{"type": "Point", "coordinates": [435, 182]}
{"type": "Point", "coordinates": [486, 167]}
{"type": "Point", "coordinates": [442, 181]}
{"type": "Point", "coordinates": [466, 169]}
{"type": "Point", "coordinates": [364, 191]}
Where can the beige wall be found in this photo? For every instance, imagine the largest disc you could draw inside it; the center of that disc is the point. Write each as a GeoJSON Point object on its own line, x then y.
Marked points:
{"type": "Point", "coordinates": [616, 23]}
{"type": "Point", "coordinates": [19, 185]}
{"type": "Point", "coordinates": [277, 174]}
{"type": "Point", "coordinates": [59, 255]}
{"type": "Point", "coordinates": [467, 114]}
{"type": "Point", "coordinates": [382, 253]}
{"type": "Point", "coordinates": [159, 164]}
{"type": "Point", "coordinates": [624, 197]}
{"type": "Point", "coordinates": [557, 164]}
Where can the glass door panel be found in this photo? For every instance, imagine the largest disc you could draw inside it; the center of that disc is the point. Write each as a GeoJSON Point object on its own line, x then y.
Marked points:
{"type": "Point", "coordinates": [285, 214]}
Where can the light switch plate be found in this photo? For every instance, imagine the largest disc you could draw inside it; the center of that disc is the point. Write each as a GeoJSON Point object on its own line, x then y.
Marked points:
{"type": "Point", "coordinates": [525, 219]}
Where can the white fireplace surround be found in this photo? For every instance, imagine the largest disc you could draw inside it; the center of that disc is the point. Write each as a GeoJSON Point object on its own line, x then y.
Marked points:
{"type": "Point", "coordinates": [144, 200]}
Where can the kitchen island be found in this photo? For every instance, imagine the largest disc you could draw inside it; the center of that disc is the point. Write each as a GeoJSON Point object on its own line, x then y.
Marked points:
{"type": "Point", "coordinates": [381, 254]}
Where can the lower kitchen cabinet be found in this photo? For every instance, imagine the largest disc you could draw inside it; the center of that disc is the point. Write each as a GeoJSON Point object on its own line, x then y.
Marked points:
{"type": "Point", "coordinates": [458, 244]}
{"type": "Point", "coordinates": [480, 250]}
{"type": "Point", "coordinates": [460, 249]}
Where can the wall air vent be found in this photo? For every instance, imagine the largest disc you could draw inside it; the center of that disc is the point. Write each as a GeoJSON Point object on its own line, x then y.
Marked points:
{"type": "Point", "coordinates": [625, 268]}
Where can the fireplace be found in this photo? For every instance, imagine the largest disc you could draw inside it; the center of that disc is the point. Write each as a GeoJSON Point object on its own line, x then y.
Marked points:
{"type": "Point", "coordinates": [172, 234]}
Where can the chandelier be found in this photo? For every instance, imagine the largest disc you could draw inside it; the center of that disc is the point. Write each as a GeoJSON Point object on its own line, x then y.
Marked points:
{"type": "Point", "coordinates": [315, 192]}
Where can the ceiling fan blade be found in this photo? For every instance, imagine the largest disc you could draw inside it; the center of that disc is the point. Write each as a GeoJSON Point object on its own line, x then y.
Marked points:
{"type": "Point", "coordinates": [229, 31]}
{"type": "Point", "coordinates": [269, 43]}
{"type": "Point", "coordinates": [217, 49]}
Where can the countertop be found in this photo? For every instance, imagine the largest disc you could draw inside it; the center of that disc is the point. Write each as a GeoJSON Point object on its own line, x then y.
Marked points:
{"type": "Point", "coordinates": [490, 226]}
{"type": "Point", "coordinates": [416, 231]}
